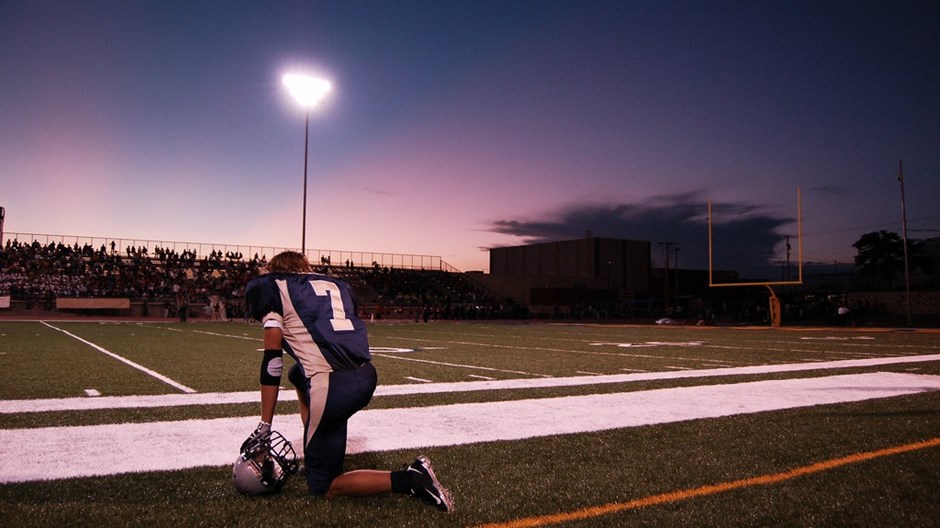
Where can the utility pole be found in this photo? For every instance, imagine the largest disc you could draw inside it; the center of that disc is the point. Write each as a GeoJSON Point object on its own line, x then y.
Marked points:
{"type": "Point", "coordinates": [907, 269]}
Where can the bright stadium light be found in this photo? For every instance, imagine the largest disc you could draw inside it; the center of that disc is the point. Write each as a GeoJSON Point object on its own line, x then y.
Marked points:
{"type": "Point", "coordinates": [308, 92]}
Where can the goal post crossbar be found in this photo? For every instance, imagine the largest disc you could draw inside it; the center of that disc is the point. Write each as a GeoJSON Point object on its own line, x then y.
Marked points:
{"type": "Point", "coordinates": [799, 238]}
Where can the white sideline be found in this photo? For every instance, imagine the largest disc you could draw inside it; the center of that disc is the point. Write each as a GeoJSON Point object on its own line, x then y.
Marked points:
{"type": "Point", "coordinates": [222, 398]}
{"type": "Point", "coordinates": [82, 451]}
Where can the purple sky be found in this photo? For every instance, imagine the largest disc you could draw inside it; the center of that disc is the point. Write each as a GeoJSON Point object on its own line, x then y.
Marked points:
{"type": "Point", "coordinates": [457, 126]}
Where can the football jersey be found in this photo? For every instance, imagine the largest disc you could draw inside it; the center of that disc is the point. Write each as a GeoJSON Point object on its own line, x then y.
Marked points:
{"type": "Point", "coordinates": [317, 316]}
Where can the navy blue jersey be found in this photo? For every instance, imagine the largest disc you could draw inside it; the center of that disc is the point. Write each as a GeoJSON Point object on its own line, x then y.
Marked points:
{"type": "Point", "coordinates": [317, 316]}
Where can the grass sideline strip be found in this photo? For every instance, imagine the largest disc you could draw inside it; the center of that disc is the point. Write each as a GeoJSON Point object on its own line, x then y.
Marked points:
{"type": "Point", "coordinates": [711, 489]}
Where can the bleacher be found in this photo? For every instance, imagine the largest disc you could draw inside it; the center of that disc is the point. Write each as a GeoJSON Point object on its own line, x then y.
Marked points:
{"type": "Point", "coordinates": [38, 275]}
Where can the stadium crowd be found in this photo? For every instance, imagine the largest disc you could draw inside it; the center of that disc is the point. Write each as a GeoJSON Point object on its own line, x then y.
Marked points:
{"type": "Point", "coordinates": [39, 273]}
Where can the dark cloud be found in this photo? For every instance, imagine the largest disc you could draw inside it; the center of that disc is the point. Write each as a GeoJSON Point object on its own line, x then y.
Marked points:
{"type": "Point", "coordinates": [745, 235]}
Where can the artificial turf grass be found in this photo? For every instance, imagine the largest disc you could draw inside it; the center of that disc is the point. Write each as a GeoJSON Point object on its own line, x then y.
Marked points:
{"type": "Point", "coordinates": [632, 462]}
{"type": "Point", "coordinates": [40, 362]}
{"type": "Point", "coordinates": [507, 480]}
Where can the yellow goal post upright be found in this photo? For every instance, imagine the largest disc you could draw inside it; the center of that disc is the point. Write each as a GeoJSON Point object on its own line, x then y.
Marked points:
{"type": "Point", "coordinates": [775, 316]}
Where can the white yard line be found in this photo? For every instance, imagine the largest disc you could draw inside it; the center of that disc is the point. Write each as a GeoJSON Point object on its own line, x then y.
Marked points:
{"type": "Point", "coordinates": [216, 334]}
{"type": "Point", "coordinates": [126, 361]}
{"type": "Point", "coordinates": [444, 425]}
{"type": "Point", "coordinates": [137, 402]}
{"type": "Point", "coordinates": [68, 452]}
{"type": "Point", "coordinates": [222, 398]}
{"type": "Point", "coordinates": [459, 365]}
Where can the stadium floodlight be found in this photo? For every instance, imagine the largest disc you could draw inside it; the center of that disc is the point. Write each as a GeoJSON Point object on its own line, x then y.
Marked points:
{"type": "Point", "coordinates": [308, 92]}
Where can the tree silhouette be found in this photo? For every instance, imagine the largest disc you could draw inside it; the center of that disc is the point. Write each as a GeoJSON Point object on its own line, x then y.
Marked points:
{"type": "Point", "coordinates": [882, 253]}
{"type": "Point", "coordinates": [879, 253]}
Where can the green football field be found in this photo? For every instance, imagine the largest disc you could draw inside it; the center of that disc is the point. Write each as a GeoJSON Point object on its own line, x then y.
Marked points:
{"type": "Point", "coordinates": [527, 424]}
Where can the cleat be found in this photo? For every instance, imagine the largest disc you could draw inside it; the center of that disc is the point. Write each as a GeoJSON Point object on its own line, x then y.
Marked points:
{"type": "Point", "coordinates": [425, 486]}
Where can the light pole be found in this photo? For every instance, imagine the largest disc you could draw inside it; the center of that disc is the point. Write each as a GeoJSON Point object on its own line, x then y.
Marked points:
{"type": "Point", "coordinates": [308, 92]}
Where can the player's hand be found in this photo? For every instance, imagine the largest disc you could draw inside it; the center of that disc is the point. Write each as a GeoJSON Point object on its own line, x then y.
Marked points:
{"type": "Point", "coordinates": [259, 436]}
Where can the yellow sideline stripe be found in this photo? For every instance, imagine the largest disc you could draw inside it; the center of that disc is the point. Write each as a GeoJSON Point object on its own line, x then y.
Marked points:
{"type": "Point", "coordinates": [673, 496]}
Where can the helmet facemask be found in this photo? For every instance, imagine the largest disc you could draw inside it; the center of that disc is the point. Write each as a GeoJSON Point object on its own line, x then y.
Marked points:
{"type": "Point", "coordinates": [264, 464]}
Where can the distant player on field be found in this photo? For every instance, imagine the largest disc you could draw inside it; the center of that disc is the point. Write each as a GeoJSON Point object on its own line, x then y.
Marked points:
{"type": "Point", "coordinates": [312, 317]}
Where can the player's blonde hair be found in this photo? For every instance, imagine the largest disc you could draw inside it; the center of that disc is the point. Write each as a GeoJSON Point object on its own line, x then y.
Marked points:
{"type": "Point", "coordinates": [289, 262]}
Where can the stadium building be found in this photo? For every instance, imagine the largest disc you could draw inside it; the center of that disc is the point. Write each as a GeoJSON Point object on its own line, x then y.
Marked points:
{"type": "Point", "coordinates": [589, 274]}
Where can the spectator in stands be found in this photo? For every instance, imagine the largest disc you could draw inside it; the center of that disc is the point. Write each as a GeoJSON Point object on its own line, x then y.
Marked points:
{"type": "Point", "coordinates": [182, 307]}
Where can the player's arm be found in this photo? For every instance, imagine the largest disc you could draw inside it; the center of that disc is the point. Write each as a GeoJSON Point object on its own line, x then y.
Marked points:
{"type": "Point", "coordinates": [272, 365]}
{"type": "Point", "coordinates": [270, 380]}
{"type": "Point", "coordinates": [263, 305]}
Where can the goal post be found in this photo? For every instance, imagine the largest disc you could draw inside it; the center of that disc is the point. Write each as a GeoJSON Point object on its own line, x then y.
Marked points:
{"type": "Point", "coordinates": [799, 241]}
{"type": "Point", "coordinates": [775, 315]}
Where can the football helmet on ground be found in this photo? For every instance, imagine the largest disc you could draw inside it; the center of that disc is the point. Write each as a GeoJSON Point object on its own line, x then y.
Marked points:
{"type": "Point", "coordinates": [264, 464]}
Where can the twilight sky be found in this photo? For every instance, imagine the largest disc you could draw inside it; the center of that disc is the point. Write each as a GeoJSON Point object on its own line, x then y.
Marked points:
{"type": "Point", "coordinates": [455, 126]}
